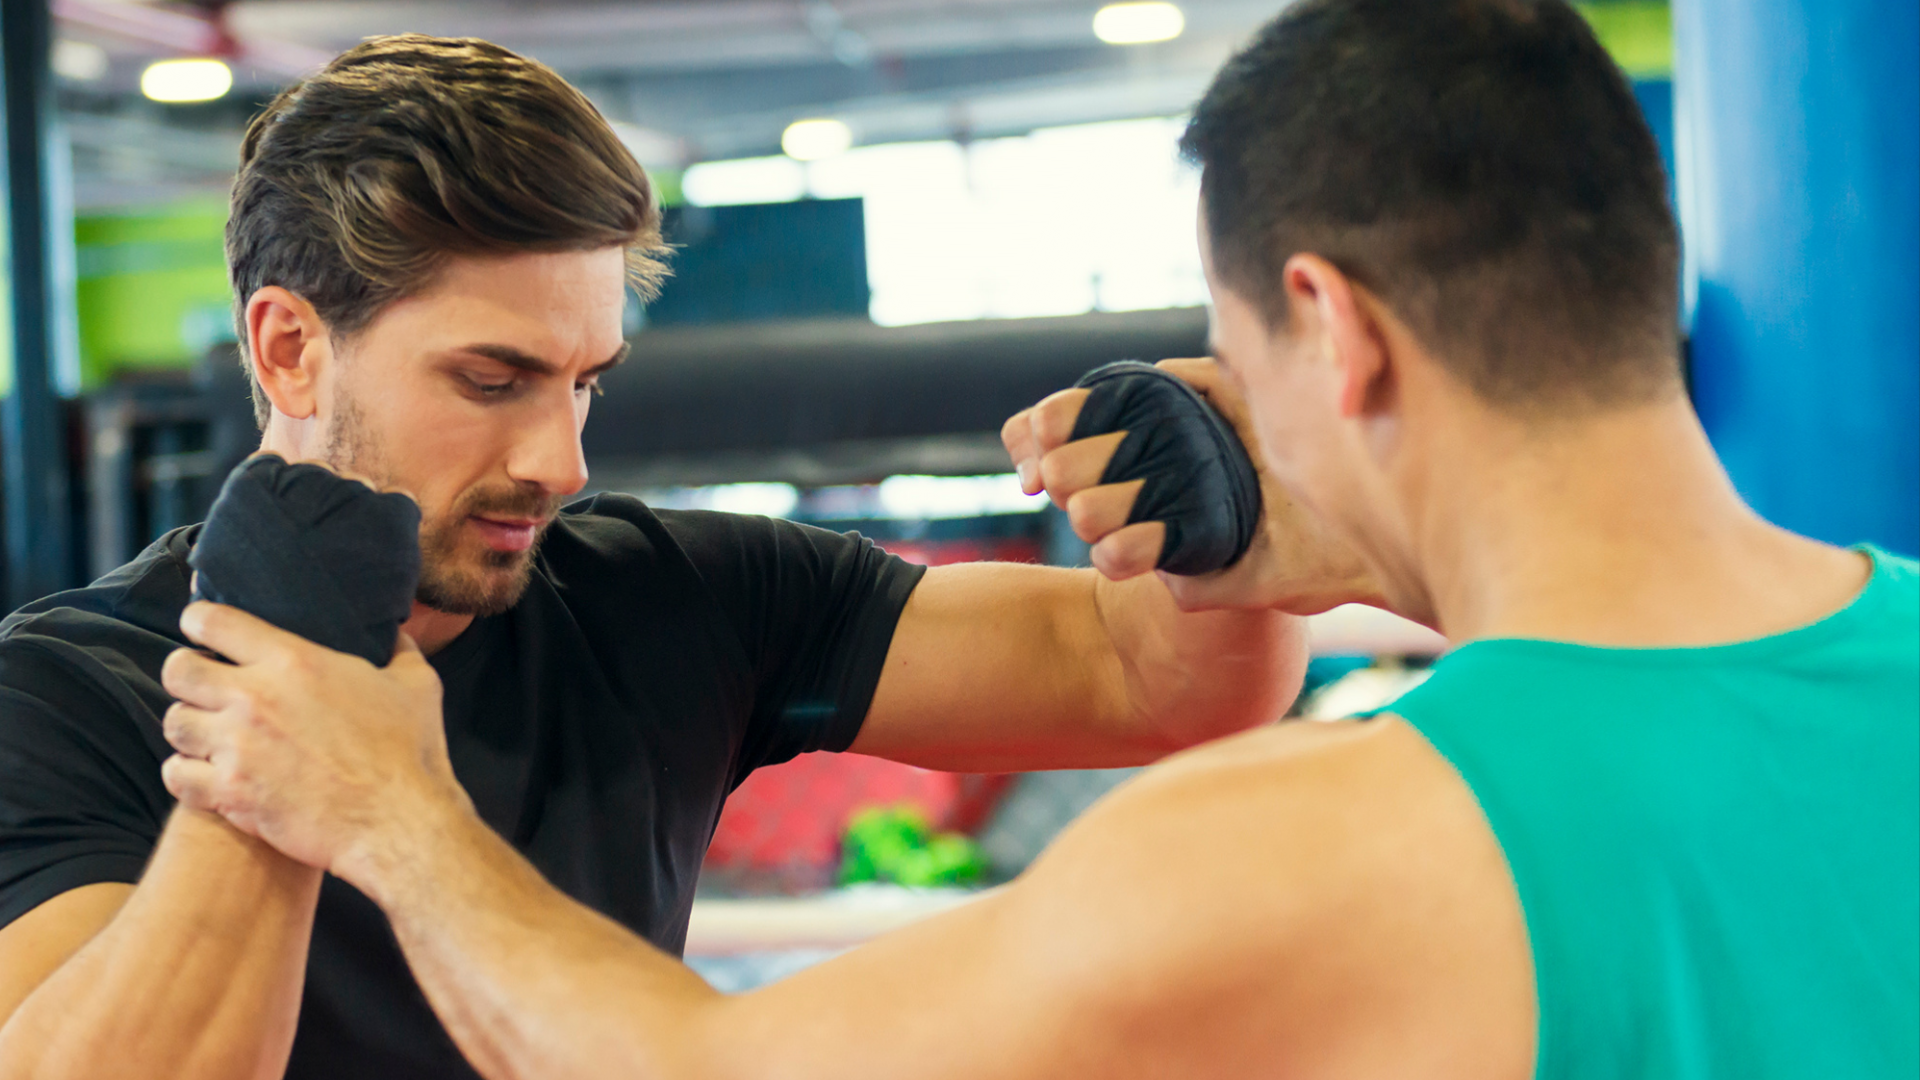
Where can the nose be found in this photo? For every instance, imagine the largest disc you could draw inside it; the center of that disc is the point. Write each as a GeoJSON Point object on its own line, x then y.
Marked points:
{"type": "Point", "coordinates": [548, 452]}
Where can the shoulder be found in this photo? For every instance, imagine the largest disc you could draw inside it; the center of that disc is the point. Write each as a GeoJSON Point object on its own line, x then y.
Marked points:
{"type": "Point", "coordinates": [1299, 870]}
{"type": "Point", "coordinates": [1287, 782]}
{"type": "Point", "coordinates": [143, 596]}
{"type": "Point", "coordinates": [620, 526]}
{"type": "Point", "coordinates": [105, 642]}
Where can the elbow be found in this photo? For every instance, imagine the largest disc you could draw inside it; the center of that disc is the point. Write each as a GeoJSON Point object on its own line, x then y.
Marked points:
{"type": "Point", "coordinates": [1236, 693]}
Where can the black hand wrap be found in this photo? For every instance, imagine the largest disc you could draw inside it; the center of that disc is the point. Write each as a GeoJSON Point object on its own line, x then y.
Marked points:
{"type": "Point", "coordinates": [1199, 481]}
{"type": "Point", "coordinates": [325, 557]}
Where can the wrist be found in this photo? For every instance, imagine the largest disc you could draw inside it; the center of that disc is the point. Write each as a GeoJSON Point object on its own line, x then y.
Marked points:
{"type": "Point", "coordinates": [385, 859]}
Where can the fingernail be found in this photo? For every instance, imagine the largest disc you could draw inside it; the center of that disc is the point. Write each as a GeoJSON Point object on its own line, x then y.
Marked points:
{"type": "Point", "coordinates": [190, 619]}
{"type": "Point", "coordinates": [1025, 469]}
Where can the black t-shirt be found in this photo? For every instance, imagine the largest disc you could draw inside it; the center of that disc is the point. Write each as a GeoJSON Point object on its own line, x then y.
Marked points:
{"type": "Point", "coordinates": [655, 660]}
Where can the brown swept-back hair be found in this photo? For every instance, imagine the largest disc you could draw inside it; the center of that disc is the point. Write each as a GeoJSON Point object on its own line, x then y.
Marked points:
{"type": "Point", "coordinates": [358, 183]}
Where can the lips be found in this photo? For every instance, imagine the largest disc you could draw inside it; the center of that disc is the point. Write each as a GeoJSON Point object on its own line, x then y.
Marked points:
{"type": "Point", "coordinates": [507, 534]}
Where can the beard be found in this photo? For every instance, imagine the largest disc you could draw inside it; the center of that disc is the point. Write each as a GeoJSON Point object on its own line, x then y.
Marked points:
{"type": "Point", "coordinates": [459, 574]}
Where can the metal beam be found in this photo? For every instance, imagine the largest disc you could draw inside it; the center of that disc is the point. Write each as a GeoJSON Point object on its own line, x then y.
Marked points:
{"type": "Point", "coordinates": [33, 443]}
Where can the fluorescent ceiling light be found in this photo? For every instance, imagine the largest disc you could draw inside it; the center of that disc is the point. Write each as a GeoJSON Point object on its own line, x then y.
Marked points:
{"type": "Point", "coordinates": [82, 61]}
{"type": "Point", "coordinates": [1137, 24]}
{"type": "Point", "coordinates": [744, 180]}
{"type": "Point", "coordinates": [186, 80]}
{"type": "Point", "coordinates": [811, 140]}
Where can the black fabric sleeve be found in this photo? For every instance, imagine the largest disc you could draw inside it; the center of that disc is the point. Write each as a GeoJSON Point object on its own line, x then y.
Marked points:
{"type": "Point", "coordinates": [815, 611]}
{"type": "Point", "coordinates": [81, 800]}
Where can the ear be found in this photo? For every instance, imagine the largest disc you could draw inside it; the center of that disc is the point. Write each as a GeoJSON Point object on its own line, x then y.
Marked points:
{"type": "Point", "coordinates": [288, 347]}
{"type": "Point", "coordinates": [1328, 304]}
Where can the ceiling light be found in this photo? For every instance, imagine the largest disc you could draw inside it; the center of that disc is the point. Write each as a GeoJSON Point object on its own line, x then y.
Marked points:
{"type": "Point", "coordinates": [1137, 24]}
{"type": "Point", "coordinates": [82, 61]}
{"type": "Point", "coordinates": [744, 180]}
{"type": "Point", "coordinates": [186, 80]}
{"type": "Point", "coordinates": [810, 140]}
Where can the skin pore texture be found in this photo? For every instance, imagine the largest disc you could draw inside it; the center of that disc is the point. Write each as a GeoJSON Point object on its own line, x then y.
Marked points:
{"type": "Point", "coordinates": [470, 396]}
{"type": "Point", "coordinates": [1303, 900]}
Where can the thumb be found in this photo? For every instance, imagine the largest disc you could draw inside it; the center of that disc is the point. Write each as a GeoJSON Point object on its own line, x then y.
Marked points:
{"type": "Point", "coordinates": [405, 646]}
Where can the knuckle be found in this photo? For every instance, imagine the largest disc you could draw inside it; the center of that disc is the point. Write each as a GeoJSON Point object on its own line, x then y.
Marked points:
{"type": "Point", "coordinates": [245, 707]}
{"type": "Point", "coordinates": [1054, 418]}
{"type": "Point", "coordinates": [1017, 424]}
{"type": "Point", "coordinates": [1084, 515]}
{"type": "Point", "coordinates": [1058, 474]}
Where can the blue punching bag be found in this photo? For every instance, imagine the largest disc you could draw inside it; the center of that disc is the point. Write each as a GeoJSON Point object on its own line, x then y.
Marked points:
{"type": "Point", "coordinates": [1798, 123]}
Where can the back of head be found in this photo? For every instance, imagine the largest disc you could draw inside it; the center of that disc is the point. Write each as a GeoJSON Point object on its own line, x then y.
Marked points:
{"type": "Point", "coordinates": [358, 183]}
{"type": "Point", "coordinates": [1480, 165]}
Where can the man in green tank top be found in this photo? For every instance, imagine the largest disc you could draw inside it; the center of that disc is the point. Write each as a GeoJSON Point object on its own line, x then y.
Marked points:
{"type": "Point", "coordinates": [1654, 817]}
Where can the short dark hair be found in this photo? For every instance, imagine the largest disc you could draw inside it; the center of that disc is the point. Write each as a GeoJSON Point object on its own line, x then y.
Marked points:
{"type": "Point", "coordinates": [356, 184]}
{"type": "Point", "coordinates": [1480, 165]}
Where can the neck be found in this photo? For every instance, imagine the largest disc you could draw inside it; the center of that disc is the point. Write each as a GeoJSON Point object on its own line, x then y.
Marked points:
{"type": "Point", "coordinates": [432, 629]}
{"type": "Point", "coordinates": [294, 440]}
{"type": "Point", "coordinates": [1619, 528]}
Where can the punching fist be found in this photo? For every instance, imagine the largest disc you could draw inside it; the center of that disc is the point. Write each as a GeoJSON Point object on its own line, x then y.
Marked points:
{"type": "Point", "coordinates": [1278, 555]}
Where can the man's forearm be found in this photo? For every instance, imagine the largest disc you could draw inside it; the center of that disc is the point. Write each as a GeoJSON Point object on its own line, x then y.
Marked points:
{"type": "Point", "coordinates": [1193, 676]}
{"type": "Point", "coordinates": [530, 984]}
{"type": "Point", "coordinates": [199, 974]}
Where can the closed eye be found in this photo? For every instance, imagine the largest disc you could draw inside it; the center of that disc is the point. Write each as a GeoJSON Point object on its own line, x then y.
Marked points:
{"type": "Point", "coordinates": [486, 389]}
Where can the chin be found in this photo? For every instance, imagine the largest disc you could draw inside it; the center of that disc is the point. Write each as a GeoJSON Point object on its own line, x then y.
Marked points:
{"type": "Point", "coordinates": [489, 588]}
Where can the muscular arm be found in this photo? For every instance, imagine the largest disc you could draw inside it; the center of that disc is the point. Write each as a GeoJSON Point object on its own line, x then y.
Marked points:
{"type": "Point", "coordinates": [195, 972]}
{"type": "Point", "coordinates": [999, 667]}
{"type": "Point", "coordinates": [1372, 935]}
{"type": "Point", "coordinates": [1003, 667]}
{"type": "Point", "coordinates": [1303, 900]}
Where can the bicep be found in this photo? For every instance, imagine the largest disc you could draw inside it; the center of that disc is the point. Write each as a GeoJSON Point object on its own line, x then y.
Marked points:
{"type": "Point", "coordinates": [36, 944]}
{"type": "Point", "coordinates": [1001, 666]}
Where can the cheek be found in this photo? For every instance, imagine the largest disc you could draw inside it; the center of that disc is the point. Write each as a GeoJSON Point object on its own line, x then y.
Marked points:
{"type": "Point", "coordinates": [438, 448]}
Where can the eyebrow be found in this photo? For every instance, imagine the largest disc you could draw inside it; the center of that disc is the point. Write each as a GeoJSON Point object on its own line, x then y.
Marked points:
{"type": "Point", "coordinates": [514, 358]}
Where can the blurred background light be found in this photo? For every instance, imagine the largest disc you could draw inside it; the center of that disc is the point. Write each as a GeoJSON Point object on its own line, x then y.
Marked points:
{"type": "Point", "coordinates": [811, 140]}
{"type": "Point", "coordinates": [1061, 221]}
{"type": "Point", "coordinates": [82, 61]}
{"type": "Point", "coordinates": [203, 79]}
{"type": "Point", "coordinates": [1138, 23]}
{"type": "Point", "coordinates": [770, 500]}
{"type": "Point", "coordinates": [935, 498]}
{"type": "Point", "coordinates": [743, 181]}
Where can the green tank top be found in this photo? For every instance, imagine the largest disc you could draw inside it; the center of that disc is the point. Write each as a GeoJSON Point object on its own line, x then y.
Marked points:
{"type": "Point", "coordinates": [1717, 849]}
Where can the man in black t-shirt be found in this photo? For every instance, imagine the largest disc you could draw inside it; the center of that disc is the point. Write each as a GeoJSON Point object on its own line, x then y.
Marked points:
{"type": "Point", "coordinates": [430, 242]}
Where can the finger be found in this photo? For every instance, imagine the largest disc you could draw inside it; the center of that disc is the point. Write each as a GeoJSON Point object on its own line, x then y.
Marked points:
{"type": "Point", "coordinates": [1017, 436]}
{"type": "Point", "coordinates": [1077, 466]}
{"type": "Point", "coordinates": [1131, 551]}
{"type": "Point", "coordinates": [197, 679]}
{"type": "Point", "coordinates": [1098, 511]}
{"type": "Point", "coordinates": [195, 783]}
{"type": "Point", "coordinates": [236, 635]}
{"type": "Point", "coordinates": [1054, 417]}
{"type": "Point", "coordinates": [406, 645]}
{"type": "Point", "coordinates": [1200, 372]}
{"type": "Point", "coordinates": [193, 732]}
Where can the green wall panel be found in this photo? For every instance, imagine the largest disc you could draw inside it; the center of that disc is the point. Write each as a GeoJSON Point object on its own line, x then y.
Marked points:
{"type": "Point", "coordinates": [152, 289]}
